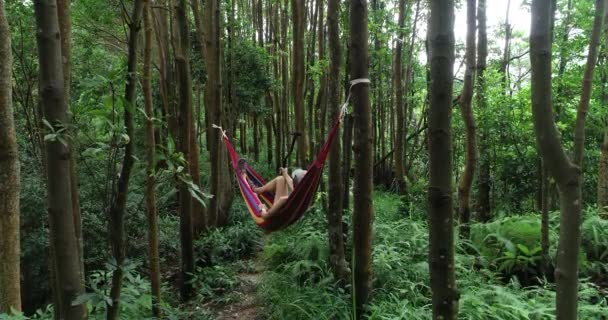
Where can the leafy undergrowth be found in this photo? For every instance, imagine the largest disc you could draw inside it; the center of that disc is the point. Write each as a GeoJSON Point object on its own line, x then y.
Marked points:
{"type": "Point", "coordinates": [298, 283]}
{"type": "Point", "coordinates": [222, 255]}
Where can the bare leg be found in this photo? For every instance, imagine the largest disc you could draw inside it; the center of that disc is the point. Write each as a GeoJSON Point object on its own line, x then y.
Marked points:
{"type": "Point", "coordinates": [281, 195]}
{"type": "Point", "coordinates": [271, 186]}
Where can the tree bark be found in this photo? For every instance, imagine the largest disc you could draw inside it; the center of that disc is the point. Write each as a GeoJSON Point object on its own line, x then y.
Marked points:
{"type": "Point", "coordinates": [466, 111]}
{"type": "Point", "coordinates": [298, 8]}
{"type": "Point", "coordinates": [398, 89]}
{"type": "Point", "coordinates": [440, 38]}
{"type": "Point", "coordinates": [65, 27]}
{"type": "Point", "coordinates": [213, 100]}
{"type": "Point", "coordinates": [184, 84]}
{"type": "Point", "coordinates": [54, 106]}
{"type": "Point", "coordinates": [567, 174]}
{"type": "Point", "coordinates": [150, 193]}
{"type": "Point", "coordinates": [335, 209]}
{"type": "Point", "coordinates": [363, 211]}
{"type": "Point", "coordinates": [199, 223]}
{"type": "Point", "coordinates": [10, 287]}
{"type": "Point", "coordinates": [483, 180]}
{"type": "Point", "coordinates": [506, 52]}
{"type": "Point", "coordinates": [119, 197]}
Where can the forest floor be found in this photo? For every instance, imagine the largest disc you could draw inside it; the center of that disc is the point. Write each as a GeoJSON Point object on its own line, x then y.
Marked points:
{"type": "Point", "coordinates": [246, 306]}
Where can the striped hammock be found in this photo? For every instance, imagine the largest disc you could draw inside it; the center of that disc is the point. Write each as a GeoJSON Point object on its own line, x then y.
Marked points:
{"type": "Point", "coordinates": [299, 200]}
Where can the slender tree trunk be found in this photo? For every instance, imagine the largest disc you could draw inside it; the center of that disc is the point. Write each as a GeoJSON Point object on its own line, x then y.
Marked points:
{"type": "Point", "coordinates": [363, 211]}
{"type": "Point", "coordinates": [10, 287]}
{"type": "Point", "coordinates": [150, 194]}
{"type": "Point", "coordinates": [347, 136]}
{"type": "Point", "coordinates": [398, 89]}
{"type": "Point", "coordinates": [65, 27]}
{"type": "Point", "coordinates": [298, 8]}
{"type": "Point", "coordinates": [335, 209]}
{"type": "Point", "coordinates": [466, 111]}
{"type": "Point", "coordinates": [184, 85]}
{"type": "Point", "coordinates": [119, 198]}
{"type": "Point", "coordinates": [199, 223]}
{"type": "Point", "coordinates": [54, 106]}
{"type": "Point", "coordinates": [441, 230]}
{"type": "Point", "coordinates": [506, 52]}
{"type": "Point", "coordinates": [483, 185]}
{"type": "Point", "coordinates": [567, 174]}
{"type": "Point", "coordinates": [213, 100]}
{"type": "Point", "coordinates": [602, 179]}
{"type": "Point", "coordinates": [544, 230]}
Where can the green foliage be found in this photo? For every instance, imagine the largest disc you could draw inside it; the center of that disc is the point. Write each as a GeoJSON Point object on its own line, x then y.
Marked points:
{"type": "Point", "coordinates": [251, 75]}
{"type": "Point", "coordinates": [228, 244]}
{"type": "Point", "coordinates": [511, 245]}
{"type": "Point", "coordinates": [595, 237]}
{"type": "Point", "coordinates": [401, 273]}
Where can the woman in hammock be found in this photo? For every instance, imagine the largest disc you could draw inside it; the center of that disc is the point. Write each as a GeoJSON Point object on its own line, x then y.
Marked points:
{"type": "Point", "coordinates": [282, 186]}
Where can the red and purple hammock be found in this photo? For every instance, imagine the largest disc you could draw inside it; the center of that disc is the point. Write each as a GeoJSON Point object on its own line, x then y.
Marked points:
{"type": "Point", "coordinates": [303, 194]}
{"type": "Point", "coordinates": [299, 200]}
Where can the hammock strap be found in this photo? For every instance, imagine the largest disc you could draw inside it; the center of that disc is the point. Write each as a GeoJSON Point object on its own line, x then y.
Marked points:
{"type": "Point", "coordinates": [354, 82]}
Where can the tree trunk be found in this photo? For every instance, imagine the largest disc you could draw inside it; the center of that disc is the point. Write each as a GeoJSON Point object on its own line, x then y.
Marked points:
{"type": "Point", "coordinates": [441, 231]}
{"type": "Point", "coordinates": [298, 8]}
{"type": "Point", "coordinates": [466, 111]}
{"type": "Point", "coordinates": [54, 106]}
{"type": "Point", "coordinates": [213, 100]}
{"type": "Point", "coordinates": [184, 85]}
{"type": "Point", "coordinates": [150, 194]}
{"type": "Point", "coordinates": [483, 180]}
{"type": "Point", "coordinates": [363, 211]}
{"type": "Point", "coordinates": [65, 27]}
{"type": "Point", "coordinates": [544, 219]}
{"type": "Point", "coordinates": [119, 198]}
{"type": "Point", "coordinates": [398, 89]}
{"type": "Point", "coordinates": [602, 179]}
{"type": "Point", "coordinates": [10, 287]}
{"type": "Point", "coordinates": [567, 174]}
{"type": "Point", "coordinates": [506, 52]}
{"type": "Point", "coordinates": [334, 214]}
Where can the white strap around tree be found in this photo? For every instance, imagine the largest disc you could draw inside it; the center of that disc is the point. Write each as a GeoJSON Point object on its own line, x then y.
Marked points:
{"type": "Point", "coordinates": [354, 82]}
{"type": "Point", "coordinates": [220, 128]}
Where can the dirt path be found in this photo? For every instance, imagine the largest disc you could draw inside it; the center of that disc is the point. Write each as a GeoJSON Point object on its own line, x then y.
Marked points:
{"type": "Point", "coordinates": [245, 307]}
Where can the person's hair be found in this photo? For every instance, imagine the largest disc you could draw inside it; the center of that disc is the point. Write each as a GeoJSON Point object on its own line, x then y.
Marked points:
{"type": "Point", "coordinates": [297, 175]}
{"type": "Point", "coordinates": [240, 165]}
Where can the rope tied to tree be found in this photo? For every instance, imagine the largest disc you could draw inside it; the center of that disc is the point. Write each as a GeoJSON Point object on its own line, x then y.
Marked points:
{"type": "Point", "coordinates": [344, 108]}
{"type": "Point", "coordinates": [221, 129]}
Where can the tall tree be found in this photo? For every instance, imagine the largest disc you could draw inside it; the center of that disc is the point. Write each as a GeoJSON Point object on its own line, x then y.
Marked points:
{"type": "Point", "coordinates": [466, 111]}
{"type": "Point", "coordinates": [440, 40]}
{"type": "Point", "coordinates": [10, 288]}
{"type": "Point", "coordinates": [150, 194]}
{"type": "Point", "coordinates": [54, 106]}
{"type": "Point", "coordinates": [363, 210]}
{"type": "Point", "coordinates": [184, 85]}
{"type": "Point", "coordinates": [483, 180]}
{"type": "Point", "coordinates": [119, 197]}
{"type": "Point", "coordinates": [298, 8]}
{"type": "Point", "coordinates": [65, 27]}
{"type": "Point", "coordinates": [398, 100]}
{"type": "Point", "coordinates": [335, 209]}
{"type": "Point", "coordinates": [566, 172]}
{"type": "Point", "coordinates": [213, 102]}
{"type": "Point", "coordinates": [602, 179]}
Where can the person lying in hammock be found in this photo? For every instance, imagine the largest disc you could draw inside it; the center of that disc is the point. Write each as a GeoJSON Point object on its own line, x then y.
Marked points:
{"type": "Point", "coordinates": [282, 186]}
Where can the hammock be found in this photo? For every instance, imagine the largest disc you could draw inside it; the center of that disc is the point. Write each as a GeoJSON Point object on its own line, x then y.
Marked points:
{"type": "Point", "coordinates": [303, 194]}
{"type": "Point", "coordinates": [299, 200]}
